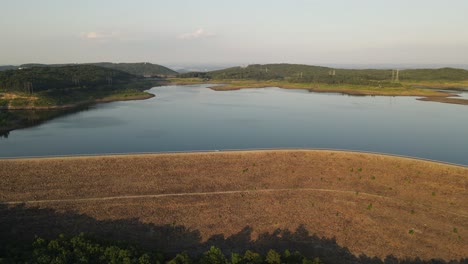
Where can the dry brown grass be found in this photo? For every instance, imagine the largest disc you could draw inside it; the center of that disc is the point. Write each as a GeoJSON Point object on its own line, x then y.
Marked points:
{"type": "Point", "coordinates": [329, 192]}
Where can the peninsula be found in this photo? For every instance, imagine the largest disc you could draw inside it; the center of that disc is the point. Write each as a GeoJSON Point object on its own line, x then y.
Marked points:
{"type": "Point", "coordinates": [67, 87]}
{"type": "Point", "coordinates": [425, 83]}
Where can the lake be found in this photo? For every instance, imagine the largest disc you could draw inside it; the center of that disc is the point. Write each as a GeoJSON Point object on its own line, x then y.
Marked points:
{"type": "Point", "coordinates": [189, 118]}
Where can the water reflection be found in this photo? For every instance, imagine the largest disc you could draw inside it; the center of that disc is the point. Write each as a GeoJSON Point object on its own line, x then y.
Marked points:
{"type": "Point", "coordinates": [17, 119]}
{"type": "Point", "coordinates": [4, 134]}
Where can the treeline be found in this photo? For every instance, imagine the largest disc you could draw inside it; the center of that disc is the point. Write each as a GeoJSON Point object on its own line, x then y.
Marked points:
{"type": "Point", "coordinates": [310, 74]}
{"type": "Point", "coordinates": [142, 69]}
{"type": "Point", "coordinates": [139, 68]}
{"type": "Point", "coordinates": [38, 79]}
{"type": "Point", "coordinates": [86, 249]}
{"type": "Point", "coordinates": [444, 74]}
{"type": "Point", "coordinates": [7, 67]}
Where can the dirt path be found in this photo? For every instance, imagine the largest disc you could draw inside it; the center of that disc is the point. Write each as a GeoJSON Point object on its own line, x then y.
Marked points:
{"type": "Point", "coordinates": [150, 196]}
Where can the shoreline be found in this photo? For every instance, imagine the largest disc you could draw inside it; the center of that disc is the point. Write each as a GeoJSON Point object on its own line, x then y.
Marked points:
{"type": "Point", "coordinates": [226, 86]}
{"type": "Point", "coordinates": [427, 94]}
{"type": "Point", "coordinates": [17, 124]}
{"type": "Point", "coordinates": [444, 97]}
{"type": "Point", "coordinates": [78, 104]}
{"type": "Point", "coordinates": [328, 90]}
{"type": "Point", "coordinates": [227, 151]}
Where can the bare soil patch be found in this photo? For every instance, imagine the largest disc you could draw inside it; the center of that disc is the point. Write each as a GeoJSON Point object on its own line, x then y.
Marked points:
{"type": "Point", "coordinates": [371, 204]}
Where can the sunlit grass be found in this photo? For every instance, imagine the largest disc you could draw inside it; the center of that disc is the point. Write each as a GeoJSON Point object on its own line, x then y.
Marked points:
{"type": "Point", "coordinates": [229, 84]}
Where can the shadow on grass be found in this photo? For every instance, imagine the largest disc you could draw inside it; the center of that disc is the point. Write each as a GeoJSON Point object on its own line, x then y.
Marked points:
{"type": "Point", "coordinates": [19, 225]}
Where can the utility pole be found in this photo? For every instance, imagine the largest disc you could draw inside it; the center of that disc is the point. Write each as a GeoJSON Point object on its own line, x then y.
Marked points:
{"type": "Point", "coordinates": [109, 80]}
{"type": "Point", "coordinates": [28, 87]}
{"type": "Point", "coordinates": [75, 80]}
{"type": "Point", "coordinates": [395, 76]}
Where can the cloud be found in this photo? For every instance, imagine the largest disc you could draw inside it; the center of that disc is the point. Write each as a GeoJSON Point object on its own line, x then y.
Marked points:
{"type": "Point", "coordinates": [199, 33]}
{"type": "Point", "coordinates": [93, 35]}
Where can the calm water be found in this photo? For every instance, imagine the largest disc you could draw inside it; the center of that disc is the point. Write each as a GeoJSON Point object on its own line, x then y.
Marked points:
{"type": "Point", "coordinates": [182, 118]}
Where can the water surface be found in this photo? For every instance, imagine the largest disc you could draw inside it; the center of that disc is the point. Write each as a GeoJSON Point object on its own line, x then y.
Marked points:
{"type": "Point", "coordinates": [186, 118]}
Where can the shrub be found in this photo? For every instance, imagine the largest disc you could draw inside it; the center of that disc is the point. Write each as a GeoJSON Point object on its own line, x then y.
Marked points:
{"type": "Point", "coordinates": [213, 256]}
{"type": "Point", "coordinates": [252, 257]}
{"type": "Point", "coordinates": [273, 257]}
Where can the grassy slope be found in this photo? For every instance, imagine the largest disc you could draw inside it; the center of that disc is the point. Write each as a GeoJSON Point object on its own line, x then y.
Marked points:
{"type": "Point", "coordinates": [371, 204]}
{"type": "Point", "coordinates": [352, 89]}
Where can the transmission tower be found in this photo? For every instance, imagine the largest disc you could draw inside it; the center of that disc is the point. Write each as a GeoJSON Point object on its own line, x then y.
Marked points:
{"type": "Point", "coordinates": [28, 87]}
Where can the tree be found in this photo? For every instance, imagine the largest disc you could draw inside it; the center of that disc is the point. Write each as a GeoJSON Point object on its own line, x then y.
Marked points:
{"type": "Point", "coordinates": [213, 256]}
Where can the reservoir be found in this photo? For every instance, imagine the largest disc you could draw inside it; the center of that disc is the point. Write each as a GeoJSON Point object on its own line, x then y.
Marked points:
{"type": "Point", "coordinates": [194, 117]}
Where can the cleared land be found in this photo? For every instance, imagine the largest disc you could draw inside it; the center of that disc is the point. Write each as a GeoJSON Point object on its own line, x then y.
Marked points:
{"type": "Point", "coordinates": [314, 201]}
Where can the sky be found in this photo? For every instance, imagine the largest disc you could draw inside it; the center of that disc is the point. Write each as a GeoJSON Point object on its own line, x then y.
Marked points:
{"type": "Point", "coordinates": [178, 32]}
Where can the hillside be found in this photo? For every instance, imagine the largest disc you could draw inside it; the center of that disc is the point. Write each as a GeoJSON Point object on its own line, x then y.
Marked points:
{"type": "Point", "coordinates": [307, 74]}
{"type": "Point", "coordinates": [67, 86]}
{"type": "Point", "coordinates": [425, 83]}
{"type": "Point", "coordinates": [53, 78]}
{"type": "Point", "coordinates": [342, 207]}
{"type": "Point", "coordinates": [7, 67]}
{"type": "Point", "coordinates": [141, 68]}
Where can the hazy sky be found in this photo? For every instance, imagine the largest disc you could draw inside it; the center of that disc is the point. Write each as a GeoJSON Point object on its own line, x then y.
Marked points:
{"type": "Point", "coordinates": [236, 31]}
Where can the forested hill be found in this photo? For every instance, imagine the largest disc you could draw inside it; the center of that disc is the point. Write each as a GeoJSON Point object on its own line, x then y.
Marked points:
{"type": "Point", "coordinates": [7, 67]}
{"type": "Point", "coordinates": [307, 73]}
{"type": "Point", "coordinates": [52, 78]}
{"type": "Point", "coordinates": [140, 68]}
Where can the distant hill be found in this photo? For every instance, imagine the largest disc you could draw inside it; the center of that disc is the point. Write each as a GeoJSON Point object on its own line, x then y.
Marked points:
{"type": "Point", "coordinates": [7, 67]}
{"type": "Point", "coordinates": [49, 78]}
{"type": "Point", "coordinates": [308, 73]}
{"type": "Point", "coordinates": [449, 74]}
{"type": "Point", "coordinates": [30, 65]}
{"type": "Point", "coordinates": [142, 68]}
